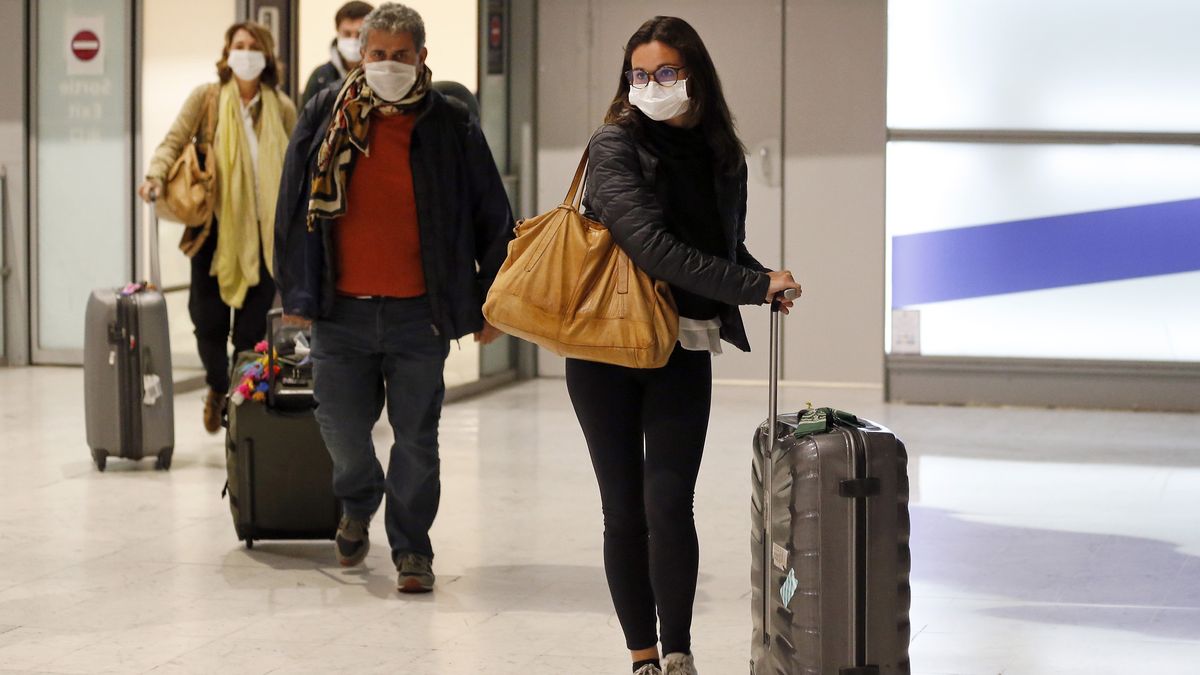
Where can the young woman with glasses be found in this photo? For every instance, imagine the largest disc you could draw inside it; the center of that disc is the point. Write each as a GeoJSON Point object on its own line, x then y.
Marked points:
{"type": "Point", "coordinates": [667, 176]}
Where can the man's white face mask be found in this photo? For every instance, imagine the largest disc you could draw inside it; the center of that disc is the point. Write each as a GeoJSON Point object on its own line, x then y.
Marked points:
{"type": "Point", "coordinates": [348, 49]}
{"type": "Point", "coordinates": [390, 80]}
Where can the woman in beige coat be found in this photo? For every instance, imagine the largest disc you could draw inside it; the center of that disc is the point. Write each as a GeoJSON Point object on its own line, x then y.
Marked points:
{"type": "Point", "coordinates": [231, 254]}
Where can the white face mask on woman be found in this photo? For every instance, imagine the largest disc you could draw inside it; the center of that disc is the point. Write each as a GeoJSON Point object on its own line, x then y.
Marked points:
{"type": "Point", "coordinates": [661, 103]}
{"type": "Point", "coordinates": [348, 49]}
{"type": "Point", "coordinates": [247, 64]}
{"type": "Point", "coordinates": [390, 80]}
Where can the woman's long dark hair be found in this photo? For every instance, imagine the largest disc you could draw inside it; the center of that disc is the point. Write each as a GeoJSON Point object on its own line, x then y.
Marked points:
{"type": "Point", "coordinates": [708, 105]}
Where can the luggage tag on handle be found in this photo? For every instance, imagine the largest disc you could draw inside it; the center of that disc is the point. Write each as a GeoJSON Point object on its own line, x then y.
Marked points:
{"type": "Point", "coordinates": [152, 388]}
{"type": "Point", "coordinates": [779, 556]}
{"type": "Point", "coordinates": [820, 420]}
{"type": "Point", "coordinates": [812, 421]}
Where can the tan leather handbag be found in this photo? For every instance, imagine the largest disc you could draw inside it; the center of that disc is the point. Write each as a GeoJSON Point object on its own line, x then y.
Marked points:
{"type": "Point", "coordinates": [568, 287]}
{"type": "Point", "coordinates": [188, 191]}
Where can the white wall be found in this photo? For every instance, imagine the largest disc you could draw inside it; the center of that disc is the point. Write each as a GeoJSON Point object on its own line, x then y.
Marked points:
{"type": "Point", "coordinates": [833, 106]}
{"type": "Point", "coordinates": [182, 42]}
{"type": "Point", "coordinates": [835, 134]}
{"type": "Point", "coordinates": [449, 36]}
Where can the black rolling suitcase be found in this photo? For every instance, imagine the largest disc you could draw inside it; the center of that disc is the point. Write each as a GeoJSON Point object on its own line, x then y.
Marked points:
{"type": "Point", "coordinates": [280, 476]}
{"type": "Point", "coordinates": [128, 397]}
{"type": "Point", "coordinates": [830, 569]}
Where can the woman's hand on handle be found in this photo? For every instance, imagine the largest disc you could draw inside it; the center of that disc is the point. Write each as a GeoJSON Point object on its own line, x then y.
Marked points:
{"type": "Point", "coordinates": [149, 190]}
{"type": "Point", "coordinates": [782, 281]}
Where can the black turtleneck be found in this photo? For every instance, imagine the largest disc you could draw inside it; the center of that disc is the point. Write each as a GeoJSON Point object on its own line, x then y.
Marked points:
{"type": "Point", "coordinates": [686, 189]}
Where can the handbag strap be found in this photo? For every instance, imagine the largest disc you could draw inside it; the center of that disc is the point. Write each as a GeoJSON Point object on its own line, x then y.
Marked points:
{"type": "Point", "coordinates": [574, 196]}
{"type": "Point", "coordinates": [210, 115]}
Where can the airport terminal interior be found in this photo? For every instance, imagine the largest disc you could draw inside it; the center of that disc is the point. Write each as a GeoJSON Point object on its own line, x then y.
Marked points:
{"type": "Point", "coordinates": [992, 207]}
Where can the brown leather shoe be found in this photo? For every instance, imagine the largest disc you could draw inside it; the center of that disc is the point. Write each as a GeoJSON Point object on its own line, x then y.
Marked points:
{"type": "Point", "coordinates": [212, 411]}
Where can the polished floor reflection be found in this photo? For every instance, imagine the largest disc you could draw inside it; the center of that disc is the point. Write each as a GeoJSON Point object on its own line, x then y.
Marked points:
{"type": "Point", "coordinates": [1044, 541]}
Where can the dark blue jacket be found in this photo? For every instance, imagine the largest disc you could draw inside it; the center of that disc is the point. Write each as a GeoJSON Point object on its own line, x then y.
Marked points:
{"type": "Point", "coordinates": [325, 75]}
{"type": "Point", "coordinates": [463, 215]}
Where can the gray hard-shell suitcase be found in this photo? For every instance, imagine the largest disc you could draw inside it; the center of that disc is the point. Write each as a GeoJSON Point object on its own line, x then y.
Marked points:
{"type": "Point", "coordinates": [280, 476]}
{"type": "Point", "coordinates": [831, 561]}
{"type": "Point", "coordinates": [127, 379]}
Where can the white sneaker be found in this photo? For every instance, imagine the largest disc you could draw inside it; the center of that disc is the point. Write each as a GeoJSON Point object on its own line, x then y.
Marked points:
{"type": "Point", "coordinates": [649, 669]}
{"type": "Point", "coordinates": [678, 664]}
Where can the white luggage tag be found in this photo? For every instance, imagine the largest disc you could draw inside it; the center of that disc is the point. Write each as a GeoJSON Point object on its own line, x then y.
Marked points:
{"type": "Point", "coordinates": [152, 386]}
{"type": "Point", "coordinates": [779, 556]}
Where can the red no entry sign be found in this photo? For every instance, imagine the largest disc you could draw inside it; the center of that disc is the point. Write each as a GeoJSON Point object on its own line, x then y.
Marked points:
{"type": "Point", "coordinates": [85, 45]}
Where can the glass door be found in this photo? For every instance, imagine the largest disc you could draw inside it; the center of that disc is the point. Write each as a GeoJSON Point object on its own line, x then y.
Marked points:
{"type": "Point", "coordinates": [83, 195]}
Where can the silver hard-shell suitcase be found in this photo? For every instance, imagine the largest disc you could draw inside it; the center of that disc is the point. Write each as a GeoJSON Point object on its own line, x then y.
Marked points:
{"type": "Point", "coordinates": [127, 381]}
{"type": "Point", "coordinates": [830, 572]}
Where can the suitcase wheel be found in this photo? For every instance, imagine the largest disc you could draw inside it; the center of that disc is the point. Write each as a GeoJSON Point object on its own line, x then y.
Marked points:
{"type": "Point", "coordinates": [249, 543]}
{"type": "Point", "coordinates": [101, 459]}
{"type": "Point", "coordinates": [163, 462]}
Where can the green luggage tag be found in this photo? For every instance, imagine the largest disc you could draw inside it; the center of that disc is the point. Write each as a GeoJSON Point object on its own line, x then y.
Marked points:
{"type": "Point", "coordinates": [812, 421]}
{"type": "Point", "coordinates": [820, 420]}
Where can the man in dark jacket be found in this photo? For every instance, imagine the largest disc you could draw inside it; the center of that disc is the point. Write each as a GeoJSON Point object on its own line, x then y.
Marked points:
{"type": "Point", "coordinates": [343, 53]}
{"type": "Point", "coordinates": [391, 224]}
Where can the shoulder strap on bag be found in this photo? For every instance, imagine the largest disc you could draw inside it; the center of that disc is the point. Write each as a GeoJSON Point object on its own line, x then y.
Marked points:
{"type": "Point", "coordinates": [210, 114]}
{"type": "Point", "coordinates": [574, 196]}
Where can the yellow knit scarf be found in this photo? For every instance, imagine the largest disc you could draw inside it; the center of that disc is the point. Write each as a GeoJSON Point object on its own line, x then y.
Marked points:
{"type": "Point", "coordinates": [246, 207]}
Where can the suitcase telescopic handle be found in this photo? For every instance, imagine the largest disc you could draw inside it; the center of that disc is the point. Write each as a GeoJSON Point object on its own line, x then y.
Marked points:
{"type": "Point", "coordinates": [274, 318]}
{"type": "Point", "coordinates": [152, 242]}
{"type": "Point", "coordinates": [768, 463]}
{"type": "Point", "coordinates": [776, 349]}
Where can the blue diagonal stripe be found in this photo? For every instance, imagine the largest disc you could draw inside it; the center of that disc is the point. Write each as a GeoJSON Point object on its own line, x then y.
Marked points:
{"type": "Point", "coordinates": [1050, 252]}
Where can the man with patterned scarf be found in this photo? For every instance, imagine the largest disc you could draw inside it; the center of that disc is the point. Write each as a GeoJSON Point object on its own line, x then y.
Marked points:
{"type": "Point", "coordinates": [390, 227]}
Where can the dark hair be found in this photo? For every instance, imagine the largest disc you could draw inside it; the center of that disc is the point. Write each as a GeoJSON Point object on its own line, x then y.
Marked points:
{"type": "Point", "coordinates": [352, 11]}
{"type": "Point", "coordinates": [708, 106]}
{"type": "Point", "coordinates": [272, 73]}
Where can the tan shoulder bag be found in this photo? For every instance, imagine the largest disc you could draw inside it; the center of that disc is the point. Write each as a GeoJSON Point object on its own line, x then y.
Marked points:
{"type": "Point", "coordinates": [188, 189]}
{"type": "Point", "coordinates": [568, 287]}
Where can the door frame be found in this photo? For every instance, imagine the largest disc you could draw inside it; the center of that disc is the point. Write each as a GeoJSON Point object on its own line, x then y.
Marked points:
{"type": "Point", "coordinates": [131, 15]}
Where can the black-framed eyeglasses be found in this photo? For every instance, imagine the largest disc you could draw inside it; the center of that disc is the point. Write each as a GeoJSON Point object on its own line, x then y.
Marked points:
{"type": "Point", "coordinates": [665, 75]}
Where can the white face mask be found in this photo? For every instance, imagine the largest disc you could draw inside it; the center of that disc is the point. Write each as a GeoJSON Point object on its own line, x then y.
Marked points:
{"type": "Point", "coordinates": [247, 64]}
{"type": "Point", "coordinates": [348, 48]}
{"type": "Point", "coordinates": [390, 80]}
{"type": "Point", "coordinates": [660, 103]}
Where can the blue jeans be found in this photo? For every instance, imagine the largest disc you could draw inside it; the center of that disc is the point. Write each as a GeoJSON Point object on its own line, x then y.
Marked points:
{"type": "Point", "coordinates": [369, 352]}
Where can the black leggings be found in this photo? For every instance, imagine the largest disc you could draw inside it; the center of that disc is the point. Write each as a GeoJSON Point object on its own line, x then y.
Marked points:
{"type": "Point", "coordinates": [645, 430]}
{"type": "Point", "coordinates": [211, 316]}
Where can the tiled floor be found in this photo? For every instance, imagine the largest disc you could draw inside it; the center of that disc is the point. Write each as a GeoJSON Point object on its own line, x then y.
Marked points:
{"type": "Point", "coordinates": [1044, 542]}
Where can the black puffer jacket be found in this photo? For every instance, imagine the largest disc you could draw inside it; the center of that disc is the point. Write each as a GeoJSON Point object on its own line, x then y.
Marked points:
{"type": "Point", "coordinates": [621, 195]}
{"type": "Point", "coordinates": [463, 215]}
{"type": "Point", "coordinates": [325, 75]}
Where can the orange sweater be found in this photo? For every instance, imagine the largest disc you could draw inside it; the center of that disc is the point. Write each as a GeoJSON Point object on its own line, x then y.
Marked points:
{"type": "Point", "coordinates": [378, 241]}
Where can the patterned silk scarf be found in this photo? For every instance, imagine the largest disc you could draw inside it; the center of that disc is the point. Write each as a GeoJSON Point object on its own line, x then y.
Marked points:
{"type": "Point", "coordinates": [347, 132]}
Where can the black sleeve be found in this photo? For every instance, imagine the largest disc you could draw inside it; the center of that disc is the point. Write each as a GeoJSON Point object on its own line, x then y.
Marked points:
{"type": "Point", "coordinates": [743, 254]}
{"type": "Point", "coordinates": [293, 241]}
{"type": "Point", "coordinates": [311, 88]}
{"type": "Point", "coordinates": [490, 211]}
{"type": "Point", "coordinates": [627, 206]}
